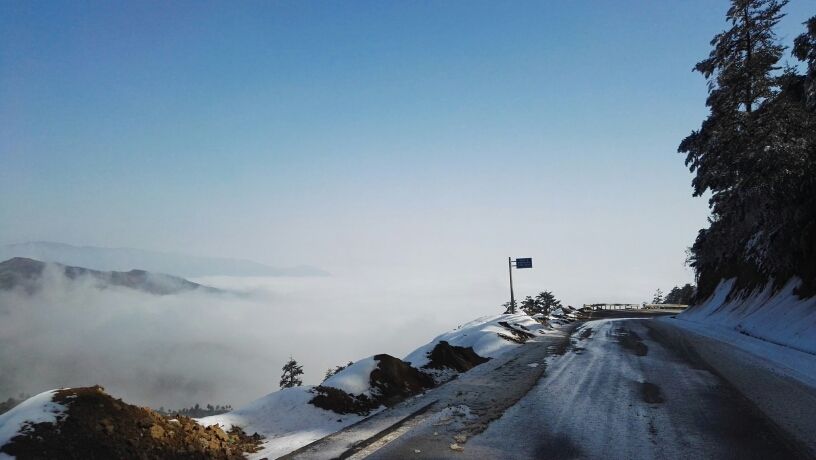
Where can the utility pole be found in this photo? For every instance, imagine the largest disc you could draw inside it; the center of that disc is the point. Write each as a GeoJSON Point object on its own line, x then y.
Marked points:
{"type": "Point", "coordinates": [520, 263]}
{"type": "Point", "coordinates": [512, 298]}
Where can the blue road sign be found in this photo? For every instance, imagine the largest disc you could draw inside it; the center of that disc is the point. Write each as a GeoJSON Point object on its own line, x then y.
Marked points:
{"type": "Point", "coordinates": [524, 263]}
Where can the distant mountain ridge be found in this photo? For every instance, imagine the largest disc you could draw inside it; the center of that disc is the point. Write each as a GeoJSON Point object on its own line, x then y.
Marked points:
{"type": "Point", "coordinates": [124, 259]}
{"type": "Point", "coordinates": [27, 274]}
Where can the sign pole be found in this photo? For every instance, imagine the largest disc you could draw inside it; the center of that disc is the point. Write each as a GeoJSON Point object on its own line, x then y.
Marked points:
{"type": "Point", "coordinates": [512, 298]}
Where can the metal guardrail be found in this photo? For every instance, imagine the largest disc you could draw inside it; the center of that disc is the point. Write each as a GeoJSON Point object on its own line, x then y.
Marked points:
{"type": "Point", "coordinates": [665, 306]}
{"type": "Point", "coordinates": [634, 306]}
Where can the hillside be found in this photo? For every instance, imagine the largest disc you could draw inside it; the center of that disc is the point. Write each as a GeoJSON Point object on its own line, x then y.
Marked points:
{"type": "Point", "coordinates": [368, 386]}
{"type": "Point", "coordinates": [123, 259]}
{"type": "Point", "coordinates": [27, 274]}
{"type": "Point", "coordinates": [86, 422]}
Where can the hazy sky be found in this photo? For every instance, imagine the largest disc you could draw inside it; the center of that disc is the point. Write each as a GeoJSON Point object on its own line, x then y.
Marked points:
{"type": "Point", "coordinates": [427, 138]}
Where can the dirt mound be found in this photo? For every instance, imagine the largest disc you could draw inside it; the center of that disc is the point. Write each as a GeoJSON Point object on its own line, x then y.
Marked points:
{"type": "Point", "coordinates": [98, 426]}
{"type": "Point", "coordinates": [338, 401]}
{"type": "Point", "coordinates": [391, 382]}
{"type": "Point", "coordinates": [460, 359]}
{"type": "Point", "coordinates": [395, 379]}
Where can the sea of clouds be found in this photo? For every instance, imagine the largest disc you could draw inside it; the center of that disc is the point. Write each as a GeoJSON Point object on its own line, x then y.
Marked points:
{"type": "Point", "coordinates": [228, 348]}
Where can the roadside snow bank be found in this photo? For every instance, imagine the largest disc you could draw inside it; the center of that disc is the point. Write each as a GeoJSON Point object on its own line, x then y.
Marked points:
{"type": "Point", "coordinates": [485, 335]}
{"type": "Point", "coordinates": [354, 379]}
{"type": "Point", "coordinates": [781, 318]}
{"type": "Point", "coordinates": [37, 409]}
{"type": "Point", "coordinates": [562, 315]}
{"type": "Point", "coordinates": [286, 420]}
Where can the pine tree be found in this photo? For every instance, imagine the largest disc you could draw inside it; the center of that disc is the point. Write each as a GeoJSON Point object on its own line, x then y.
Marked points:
{"type": "Point", "coordinates": [673, 297]}
{"type": "Point", "coordinates": [529, 306]}
{"type": "Point", "coordinates": [330, 372]}
{"type": "Point", "coordinates": [546, 302]}
{"type": "Point", "coordinates": [291, 374]}
{"type": "Point", "coordinates": [736, 153]}
{"type": "Point", "coordinates": [658, 297]}
{"type": "Point", "coordinates": [804, 49]}
{"type": "Point", "coordinates": [686, 294]}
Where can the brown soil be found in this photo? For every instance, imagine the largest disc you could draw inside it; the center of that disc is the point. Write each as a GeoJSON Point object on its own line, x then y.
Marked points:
{"type": "Point", "coordinates": [392, 381]}
{"type": "Point", "coordinates": [98, 426]}
{"type": "Point", "coordinates": [395, 379]}
{"type": "Point", "coordinates": [460, 359]}
{"type": "Point", "coordinates": [338, 401]}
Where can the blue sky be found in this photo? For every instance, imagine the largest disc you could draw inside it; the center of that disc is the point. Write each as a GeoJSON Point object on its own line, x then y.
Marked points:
{"type": "Point", "coordinates": [387, 135]}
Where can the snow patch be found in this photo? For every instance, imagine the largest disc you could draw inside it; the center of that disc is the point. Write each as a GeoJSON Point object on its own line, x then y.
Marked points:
{"type": "Point", "coordinates": [482, 334]}
{"type": "Point", "coordinates": [37, 409]}
{"type": "Point", "coordinates": [453, 416]}
{"type": "Point", "coordinates": [355, 379]}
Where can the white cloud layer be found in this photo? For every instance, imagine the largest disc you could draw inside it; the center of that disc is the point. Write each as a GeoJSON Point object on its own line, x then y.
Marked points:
{"type": "Point", "coordinates": [178, 350]}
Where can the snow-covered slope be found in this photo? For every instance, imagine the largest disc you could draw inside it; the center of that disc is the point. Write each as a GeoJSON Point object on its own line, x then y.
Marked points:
{"type": "Point", "coordinates": [482, 334]}
{"type": "Point", "coordinates": [354, 379]}
{"type": "Point", "coordinates": [285, 418]}
{"type": "Point", "coordinates": [37, 409]}
{"type": "Point", "coordinates": [781, 318]}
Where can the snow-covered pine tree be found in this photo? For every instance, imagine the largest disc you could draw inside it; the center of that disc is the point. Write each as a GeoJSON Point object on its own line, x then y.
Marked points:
{"type": "Point", "coordinates": [731, 154]}
{"type": "Point", "coordinates": [291, 374]}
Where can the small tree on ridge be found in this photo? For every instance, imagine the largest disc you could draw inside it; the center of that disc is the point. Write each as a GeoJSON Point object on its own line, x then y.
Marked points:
{"type": "Point", "coordinates": [291, 374]}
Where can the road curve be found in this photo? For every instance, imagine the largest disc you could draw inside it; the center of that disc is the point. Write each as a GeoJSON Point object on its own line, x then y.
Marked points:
{"type": "Point", "coordinates": [621, 391]}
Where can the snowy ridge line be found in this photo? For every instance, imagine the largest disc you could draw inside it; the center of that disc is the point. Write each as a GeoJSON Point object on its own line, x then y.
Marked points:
{"type": "Point", "coordinates": [37, 409]}
{"type": "Point", "coordinates": [481, 334]}
{"type": "Point", "coordinates": [353, 379]}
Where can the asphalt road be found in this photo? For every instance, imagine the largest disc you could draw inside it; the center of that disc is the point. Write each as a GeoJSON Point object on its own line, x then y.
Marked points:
{"type": "Point", "coordinates": [624, 389]}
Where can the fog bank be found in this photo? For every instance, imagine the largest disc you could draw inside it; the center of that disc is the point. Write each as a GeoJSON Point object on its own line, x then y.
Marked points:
{"type": "Point", "coordinates": [196, 347]}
